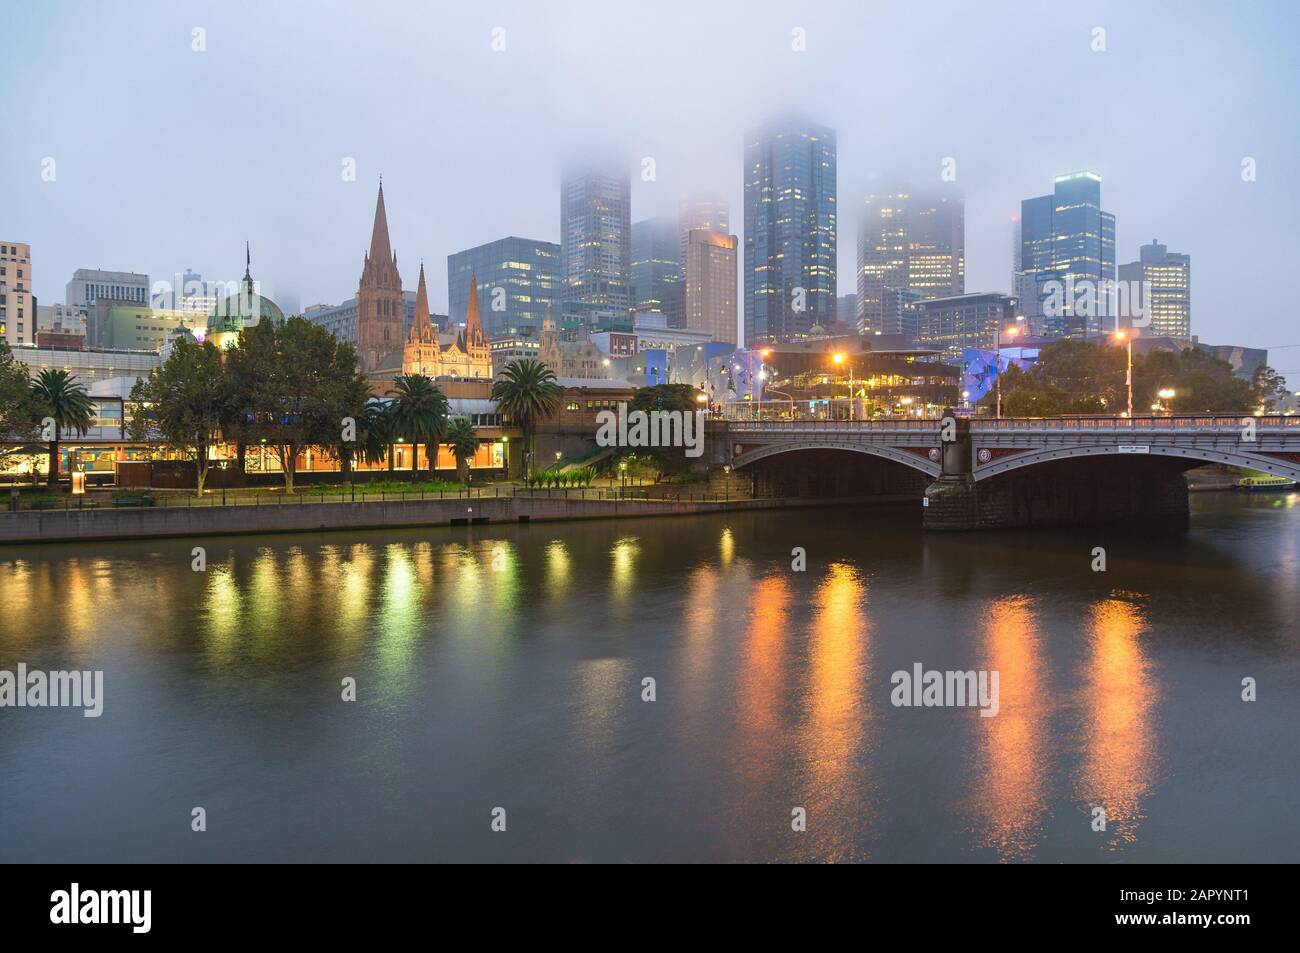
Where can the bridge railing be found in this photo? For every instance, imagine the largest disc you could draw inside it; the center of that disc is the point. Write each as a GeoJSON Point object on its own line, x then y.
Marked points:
{"type": "Point", "coordinates": [841, 426]}
{"type": "Point", "coordinates": [1180, 423]}
{"type": "Point", "coordinates": [1185, 422]}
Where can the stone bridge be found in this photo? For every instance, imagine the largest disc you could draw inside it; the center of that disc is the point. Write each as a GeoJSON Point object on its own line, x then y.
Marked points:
{"type": "Point", "coordinates": [1012, 471]}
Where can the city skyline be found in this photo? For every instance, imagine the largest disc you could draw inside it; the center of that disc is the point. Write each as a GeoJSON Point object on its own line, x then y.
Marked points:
{"type": "Point", "coordinates": [303, 217]}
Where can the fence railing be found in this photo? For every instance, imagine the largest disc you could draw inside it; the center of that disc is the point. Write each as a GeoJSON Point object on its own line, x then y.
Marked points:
{"type": "Point", "coordinates": [888, 425]}
{"type": "Point", "coordinates": [664, 492]}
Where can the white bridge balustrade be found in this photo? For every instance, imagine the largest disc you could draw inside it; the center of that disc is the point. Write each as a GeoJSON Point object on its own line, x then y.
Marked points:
{"type": "Point", "coordinates": [1267, 443]}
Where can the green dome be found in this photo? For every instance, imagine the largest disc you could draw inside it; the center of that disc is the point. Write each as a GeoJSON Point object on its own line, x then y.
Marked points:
{"type": "Point", "coordinates": [243, 310]}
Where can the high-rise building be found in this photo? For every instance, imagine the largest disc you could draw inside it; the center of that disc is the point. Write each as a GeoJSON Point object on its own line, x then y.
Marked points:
{"type": "Point", "coordinates": [518, 278]}
{"type": "Point", "coordinates": [657, 269]}
{"type": "Point", "coordinates": [88, 285]}
{"type": "Point", "coordinates": [17, 303]}
{"type": "Point", "coordinates": [790, 230]}
{"type": "Point", "coordinates": [911, 247]}
{"type": "Point", "coordinates": [965, 321]}
{"type": "Point", "coordinates": [380, 321]}
{"type": "Point", "coordinates": [710, 299]}
{"type": "Point", "coordinates": [596, 241]}
{"type": "Point", "coordinates": [1067, 258]}
{"type": "Point", "coordinates": [711, 214]}
{"type": "Point", "coordinates": [1162, 281]}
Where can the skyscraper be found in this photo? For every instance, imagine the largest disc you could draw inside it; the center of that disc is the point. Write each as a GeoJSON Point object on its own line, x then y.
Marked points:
{"type": "Point", "coordinates": [1067, 257]}
{"type": "Point", "coordinates": [1165, 280]}
{"type": "Point", "coordinates": [17, 303]}
{"type": "Point", "coordinates": [911, 247]}
{"type": "Point", "coordinates": [790, 229]}
{"type": "Point", "coordinates": [596, 241]}
{"type": "Point", "coordinates": [710, 299]}
{"type": "Point", "coordinates": [656, 269]}
{"type": "Point", "coordinates": [518, 278]}
{"type": "Point", "coordinates": [380, 319]}
{"type": "Point", "coordinates": [712, 214]}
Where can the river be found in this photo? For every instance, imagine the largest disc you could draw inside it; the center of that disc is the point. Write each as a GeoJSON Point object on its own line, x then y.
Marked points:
{"type": "Point", "coordinates": [505, 667]}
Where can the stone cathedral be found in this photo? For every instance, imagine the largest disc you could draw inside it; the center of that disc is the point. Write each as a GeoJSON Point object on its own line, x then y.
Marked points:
{"type": "Point", "coordinates": [385, 348]}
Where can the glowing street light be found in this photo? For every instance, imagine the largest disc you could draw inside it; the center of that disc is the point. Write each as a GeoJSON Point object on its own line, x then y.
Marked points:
{"type": "Point", "coordinates": [839, 357]}
{"type": "Point", "coordinates": [1122, 335]}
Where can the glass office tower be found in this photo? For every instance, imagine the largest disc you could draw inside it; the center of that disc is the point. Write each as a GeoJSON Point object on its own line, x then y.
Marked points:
{"type": "Point", "coordinates": [1067, 258]}
{"type": "Point", "coordinates": [526, 270]}
{"type": "Point", "coordinates": [790, 230]}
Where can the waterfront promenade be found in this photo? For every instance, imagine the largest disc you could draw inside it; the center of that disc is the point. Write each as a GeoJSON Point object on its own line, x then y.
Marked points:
{"type": "Point", "coordinates": [206, 517]}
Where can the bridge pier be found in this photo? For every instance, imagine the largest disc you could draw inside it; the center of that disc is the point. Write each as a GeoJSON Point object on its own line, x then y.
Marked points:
{"type": "Point", "coordinates": [1052, 494]}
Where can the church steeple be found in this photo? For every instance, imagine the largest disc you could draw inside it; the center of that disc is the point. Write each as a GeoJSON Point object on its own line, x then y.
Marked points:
{"type": "Point", "coordinates": [248, 267]}
{"type": "Point", "coordinates": [421, 327]}
{"type": "Point", "coordinates": [473, 333]}
{"type": "Point", "coordinates": [379, 247]}
{"type": "Point", "coordinates": [380, 330]}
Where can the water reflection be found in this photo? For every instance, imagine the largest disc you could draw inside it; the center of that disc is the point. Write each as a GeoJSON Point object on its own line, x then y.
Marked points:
{"type": "Point", "coordinates": [839, 727]}
{"type": "Point", "coordinates": [763, 685]}
{"type": "Point", "coordinates": [1011, 777]}
{"type": "Point", "coordinates": [518, 652]}
{"type": "Point", "coordinates": [1120, 694]}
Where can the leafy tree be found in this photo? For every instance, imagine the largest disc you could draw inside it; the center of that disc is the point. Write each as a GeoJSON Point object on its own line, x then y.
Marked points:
{"type": "Point", "coordinates": [1269, 387]}
{"type": "Point", "coordinates": [16, 413]}
{"type": "Point", "coordinates": [184, 400]}
{"type": "Point", "coordinates": [667, 397]}
{"type": "Point", "coordinates": [464, 444]}
{"type": "Point", "coordinates": [57, 395]}
{"type": "Point", "coordinates": [420, 414]}
{"type": "Point", "coordinates": [289, 386]}
{"type": "Point", "coordinates": [1088, 377]}
{"type": "Point", "coordinates": [526, 391]}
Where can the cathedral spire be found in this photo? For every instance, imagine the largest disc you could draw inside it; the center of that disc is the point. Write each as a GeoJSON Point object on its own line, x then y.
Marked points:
{"type": "Point", "coordinates": [473, 322]}
{"type": "Point", "coordinates": [248, 266]}
{"type": "Point", "coordinates": [420, 327]}
{"type": "Point", "coordinates": [379, 246]}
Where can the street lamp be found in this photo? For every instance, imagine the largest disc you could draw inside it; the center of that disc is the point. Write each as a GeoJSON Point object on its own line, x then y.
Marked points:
{"type": "Point", "coordinates": [1128, 374]}
{"type": "Point", "coordinates": [839, 358]}
{"type": "Point", "coordinates": [1165, 394]}
{"type": "Point", "coordinates": [1010, 332]}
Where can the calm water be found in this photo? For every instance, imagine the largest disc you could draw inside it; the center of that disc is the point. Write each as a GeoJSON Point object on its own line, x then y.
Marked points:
{"type": "Point", "coordinates": [502, 666]}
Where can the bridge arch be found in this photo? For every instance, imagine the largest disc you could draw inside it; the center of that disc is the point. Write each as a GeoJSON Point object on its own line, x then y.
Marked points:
{"type": "Point", "coordinates": [1196, 455]}
{"type": "Point", "coordinates": [915, 461]}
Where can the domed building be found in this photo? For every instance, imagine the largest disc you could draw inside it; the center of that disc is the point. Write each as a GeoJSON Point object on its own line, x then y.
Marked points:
{"type": "Point", "coordinates": [243, 309]}
{"type": "Point", "coordinates": [181, 333]}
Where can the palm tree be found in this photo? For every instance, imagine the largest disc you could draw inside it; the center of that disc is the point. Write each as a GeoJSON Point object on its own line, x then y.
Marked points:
{"type": "Point", "coordinates": [60, 399]}
{"type": "Point", "coordinates": [377, 434]}
{"type": "Point", "coordinates": [526, 391]}
{"type": "Point", "coordinates": [460, 437]}
{"type": "Point", "coordinates": [420, 412]}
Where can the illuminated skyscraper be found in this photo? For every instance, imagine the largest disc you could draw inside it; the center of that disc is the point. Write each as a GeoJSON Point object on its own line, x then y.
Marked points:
{"type": "Point", "coordinates": [710, 299]}
{"type": "Point", "coordinates": [1067, 253]}
{"type": "Point", "coordinates": [1166, 290]}
{"type": "Point", "coordinates": [790, 229]}
{"type": "Point", "coordinates": [911, 247]}
{"type": "Point", "coordinates": [518, 280]}
{"type": "Point", "coordinates": [596, 241]}
{"type": "Point", "coordinates": [712, 214]}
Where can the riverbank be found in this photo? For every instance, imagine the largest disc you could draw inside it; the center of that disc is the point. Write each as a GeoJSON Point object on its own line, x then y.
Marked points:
{"type": "Point", "coordinates": [59, 526]}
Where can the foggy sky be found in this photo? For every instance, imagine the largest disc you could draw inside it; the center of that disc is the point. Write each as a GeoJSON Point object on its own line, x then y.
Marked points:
{"type": "Point", "coordinates": [168, 158]}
